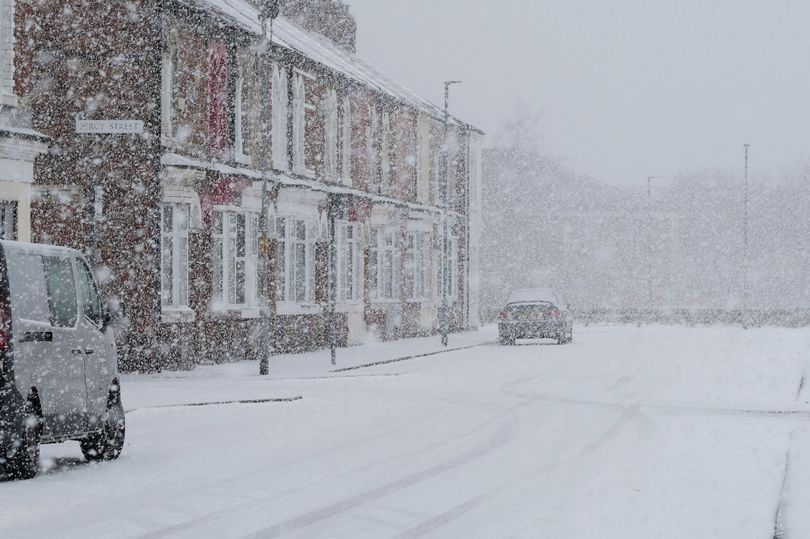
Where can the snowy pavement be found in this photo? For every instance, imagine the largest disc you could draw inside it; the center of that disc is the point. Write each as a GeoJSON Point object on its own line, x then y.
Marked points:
{"type": "Point", "coordinates": [629, 432]}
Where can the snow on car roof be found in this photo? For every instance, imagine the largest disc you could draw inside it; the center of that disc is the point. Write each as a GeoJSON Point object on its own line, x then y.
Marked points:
{"type": "Point", "coordinates": [289, 35]}
{"type": "Point", "coordinates": [533, 295]}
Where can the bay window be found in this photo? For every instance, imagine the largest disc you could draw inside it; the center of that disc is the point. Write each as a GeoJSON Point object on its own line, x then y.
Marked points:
{"type": "Point", "coordinates": [452, 266]}
{"type": "Point", "coordinates": [384, 261]}
{"type": "Point", "coordinates": [349, 263]}
{"type": "Point", "coordinates": [417, 266]}
{"type": "Point", "coordinates": [296, 260]}
{"type": "Point", "coordinates": [236, 249]}
{"type": "Point", "coordinates": [174, 255]}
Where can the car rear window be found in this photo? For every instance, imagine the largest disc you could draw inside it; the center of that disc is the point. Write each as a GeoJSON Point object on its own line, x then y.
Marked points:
{"type": "Point", "coordinates": [526, 308]}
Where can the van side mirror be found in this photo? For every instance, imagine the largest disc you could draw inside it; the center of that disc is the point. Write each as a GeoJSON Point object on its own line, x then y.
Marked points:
{"type": "Point", "coordinates": [115, 314]}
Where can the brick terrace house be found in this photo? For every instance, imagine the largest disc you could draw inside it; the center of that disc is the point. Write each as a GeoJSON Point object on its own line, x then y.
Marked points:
{"type": "Point", "coordinates": [19, 144]}
{"type": "Point", "coordinates": [172, 214]}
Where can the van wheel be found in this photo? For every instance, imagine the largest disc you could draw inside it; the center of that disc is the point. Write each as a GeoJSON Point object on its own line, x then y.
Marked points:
{"type": "Point", "coordinates": [24, 464]}
{"type": "Point", "coordinates": [108, 443]}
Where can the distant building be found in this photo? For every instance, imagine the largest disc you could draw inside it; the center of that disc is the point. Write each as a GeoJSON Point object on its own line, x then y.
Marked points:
{"type": "Point", "coordinates": [19, 143]}
{"type": "Point", "coordinates": [172, 213]}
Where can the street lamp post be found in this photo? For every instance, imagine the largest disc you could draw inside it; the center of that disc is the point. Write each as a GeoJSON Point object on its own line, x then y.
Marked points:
{"type": "Point", "coordinates": [445, 315]}
{"type": "Point", "coordinates": [268, 11]}
{"type": "Point", "coordinates": [745, 243]}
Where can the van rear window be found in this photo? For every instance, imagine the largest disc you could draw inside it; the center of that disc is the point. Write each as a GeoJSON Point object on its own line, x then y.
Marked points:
{"type": "Point", "coordinates": [29, 293]}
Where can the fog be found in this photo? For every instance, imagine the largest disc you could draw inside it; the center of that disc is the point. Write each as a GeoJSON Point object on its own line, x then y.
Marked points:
{"type": "Point", "coordinates": [625, 89]}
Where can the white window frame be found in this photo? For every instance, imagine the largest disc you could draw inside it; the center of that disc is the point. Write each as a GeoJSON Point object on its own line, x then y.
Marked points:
{"type": "Point", "coordinates": [300, 108]}
{"type": "Point", "coordinates": [331, 129]}
{"type": "Point", "coordinates": [7, 93]}
{"type": "Point", "coordinates": [242, 111]}
{"type": "Point", "coordinates": [177, 237]}
{"type": "Point", "coordinates": [418, 263]}
{"type": "Point", "coordinates": [372, 156]}
{"type": "Point", "coordinates": [346, 150]}
{"type": "Point", "coordinates": [385, 151]}
{"type": "Point", "coordinates": [167, 99]}
{"type": "Point", "coordinates": [224, 264]}
{"type": "Point", "coordinates": [279, 121]}
{"type": "Point", "coordinates": [452, 262]}
{"type": "Point", "coordinates": [286, 289]}
{"type": "Point", "coordinates": [349, 279]}
{"type": "Point", "coordinates": [386, 252]}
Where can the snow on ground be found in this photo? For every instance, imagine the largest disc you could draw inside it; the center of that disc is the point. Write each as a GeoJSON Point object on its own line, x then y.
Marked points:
{"type": "Point", "coordinates": [629, 432]}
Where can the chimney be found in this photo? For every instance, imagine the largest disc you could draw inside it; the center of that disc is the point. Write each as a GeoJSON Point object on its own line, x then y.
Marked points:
{"type": "Point", "coordinates": [330, 18]}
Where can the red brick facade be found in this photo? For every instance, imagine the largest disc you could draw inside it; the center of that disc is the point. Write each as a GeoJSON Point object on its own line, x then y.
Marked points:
{"type": "Point", "coordinates": [185, 196]}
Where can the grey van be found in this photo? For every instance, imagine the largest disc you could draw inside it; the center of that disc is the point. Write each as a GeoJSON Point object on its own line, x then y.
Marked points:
{"type": "Point", "coordinates": [58, 360]}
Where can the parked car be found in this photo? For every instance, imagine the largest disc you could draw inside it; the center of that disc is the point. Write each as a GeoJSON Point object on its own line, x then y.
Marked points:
{"type": "Point", "coordinates": [535, 313]}
{"type": "Point", "coordinates": [58, 361]}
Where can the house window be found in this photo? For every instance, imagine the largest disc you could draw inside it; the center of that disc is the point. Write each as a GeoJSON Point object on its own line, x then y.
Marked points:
{"type": "Point", "coordinates": [417, 265]}
{"type": "Point", "coordinates": [166, 98]}
{"type": "Point", "coordinates": [236, 249]}
{"type": "Point", "coordinates": [218, 99]}
{"type": "Point", "coordinates": [8, 220]}
{"type": "Point", "coordinates": [385, 264]}
{"type": "Point", "coordinates": [372, 145]}
{"type": "Point", "coordinates": [349, 266]}
{"type": "Point", "coordinates": [7, 51]}
{"type": "Point", "coordinates": [346, 142]}
{"type": "Point", "coordinates": [452, 264]}
{"type": "Point", "coordinates": [242, 120]}
{"type": "Point", "coordinates": [300, 109]}
{"type": "Point", "coordinates": [452, 260]}
{"type": "Point", "coordinates": [331, 125]}
{"type": "Point", "coordinates": [279, 107]}
{"type": "Point", "coordinates": [385, 150]}
{"type": "Point", "coordinates": [296, 260]}
{"type": "Point", "coordinates": [174, 255]}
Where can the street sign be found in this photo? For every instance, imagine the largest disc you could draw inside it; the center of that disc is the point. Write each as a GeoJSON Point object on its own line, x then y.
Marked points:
{"type": "Point", "coordinates": [110, 127]}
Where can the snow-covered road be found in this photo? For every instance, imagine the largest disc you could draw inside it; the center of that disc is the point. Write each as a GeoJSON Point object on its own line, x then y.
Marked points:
{"type": "Point", "coordinates": [629, 432]}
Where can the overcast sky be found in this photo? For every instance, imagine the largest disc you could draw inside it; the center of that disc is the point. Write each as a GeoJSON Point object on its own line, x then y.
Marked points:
{"type": "Point", "coordinates": [625, 88]}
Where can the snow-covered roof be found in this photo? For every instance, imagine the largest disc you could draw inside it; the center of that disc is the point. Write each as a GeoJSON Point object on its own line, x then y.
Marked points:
{"type": "Point", "coordinates": [318, 48]}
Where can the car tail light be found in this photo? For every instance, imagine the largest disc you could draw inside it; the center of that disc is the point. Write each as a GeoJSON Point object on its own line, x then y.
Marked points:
{"type": "Point", "coordinates": [504, 315]}
{"type": "Point", "coordinates": [555, 313]}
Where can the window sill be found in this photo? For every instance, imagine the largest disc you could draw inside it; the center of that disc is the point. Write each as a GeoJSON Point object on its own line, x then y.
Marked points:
{"type": "Point", "coordinates": [8, 99]}
{"type": "Point", "coordinates": [302, 171]}
{"type": "Point", "coordinates": [354, 306]}
{"type": "Point", "coordinates": [290, 309]}
{"type": "Point", "coordinates": [385, 301]}
{"type": "Point", "coordinates": [175, 315]}
{"type": "Point", "coordinates": [242, 312]}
